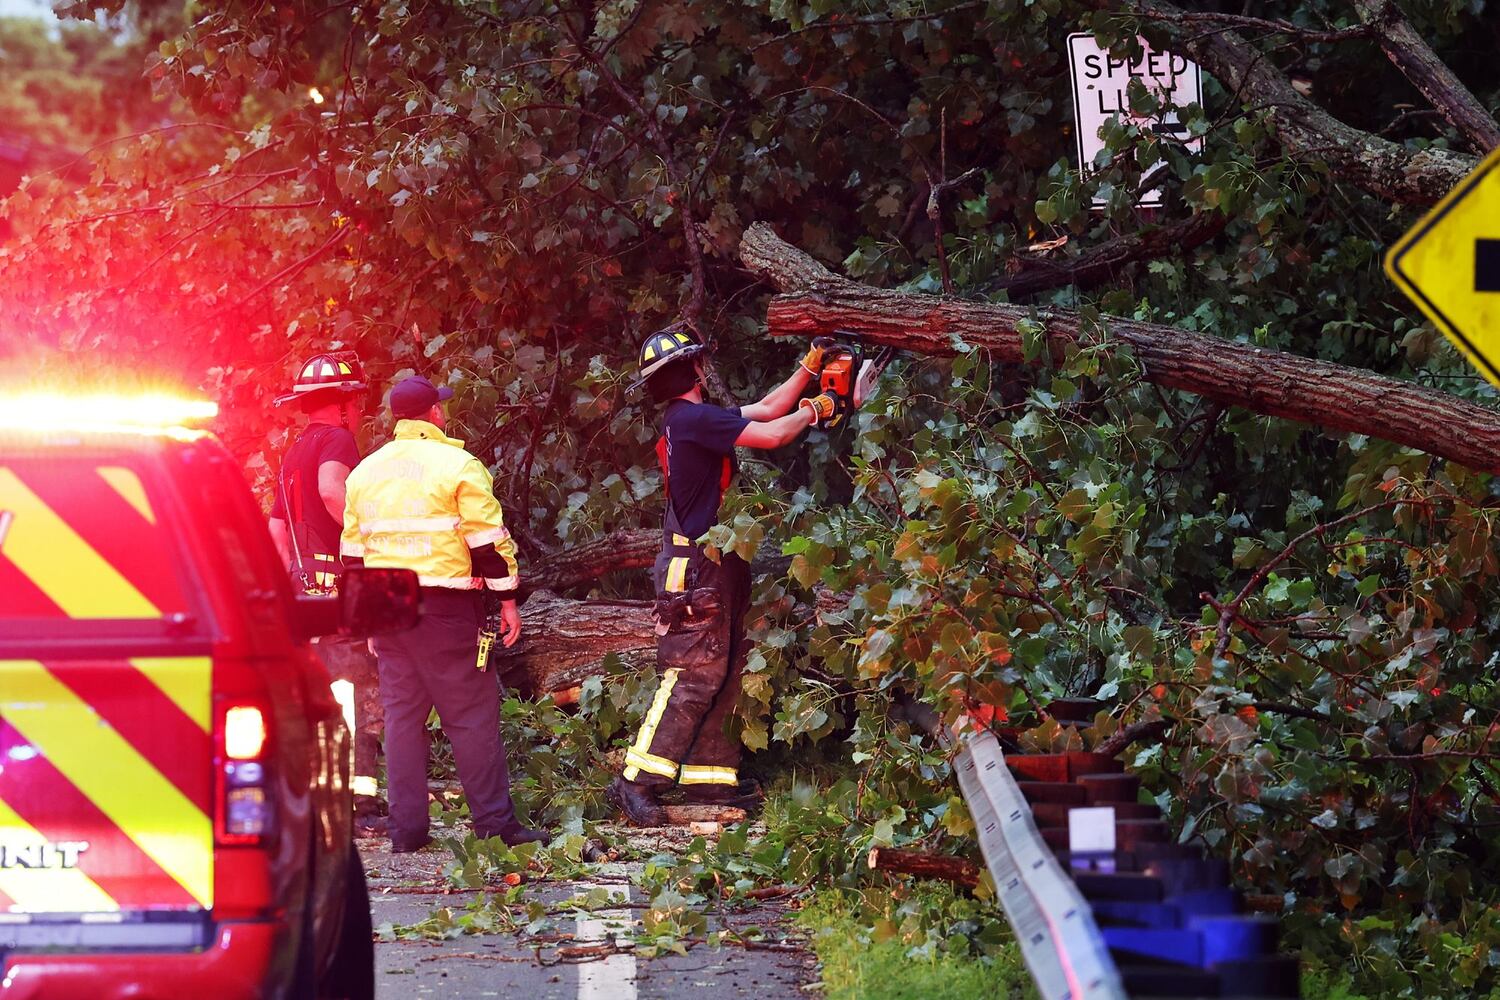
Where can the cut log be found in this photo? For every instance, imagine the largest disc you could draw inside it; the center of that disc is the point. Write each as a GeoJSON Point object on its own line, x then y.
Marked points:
{"type": "Point", "coordinates": [817, 302]}
{"type": "Point", "coordinates": [563, 642]}
{"type": "Point", "coordinates": [687, 815]}
{"type": "Point", "coordinates": [959, 871]}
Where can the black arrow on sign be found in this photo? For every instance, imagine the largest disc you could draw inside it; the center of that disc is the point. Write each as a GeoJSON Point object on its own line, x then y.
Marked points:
{"type": "Point", "coordinates": [1487, 265]}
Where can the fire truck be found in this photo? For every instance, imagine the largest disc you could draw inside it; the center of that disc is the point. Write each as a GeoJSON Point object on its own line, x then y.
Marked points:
{"type": "Point", "coordinates": [175, 810]}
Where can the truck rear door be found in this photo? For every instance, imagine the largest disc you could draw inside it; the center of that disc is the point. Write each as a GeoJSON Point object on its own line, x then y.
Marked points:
{"type": "Point", "coordinates": [106, 746]}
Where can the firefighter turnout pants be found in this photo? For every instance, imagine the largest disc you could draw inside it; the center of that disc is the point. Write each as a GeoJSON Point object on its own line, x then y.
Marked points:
{"type": "Point", "coordinates": [683, 737]}
{"type": "Point", "coordinates": [432, 666]}
{"type": "Point", "coordinates": [357, 688]}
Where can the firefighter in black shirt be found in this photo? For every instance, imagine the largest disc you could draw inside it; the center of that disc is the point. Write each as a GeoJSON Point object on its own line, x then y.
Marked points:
{"type": "Point", "coordinates": [701, 604]}
{"type": "Point", "coordinates": [307, 516]}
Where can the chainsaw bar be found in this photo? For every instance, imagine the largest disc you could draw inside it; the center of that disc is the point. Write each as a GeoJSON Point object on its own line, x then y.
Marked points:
{"type": "Point", "coordinates": [869, 374]}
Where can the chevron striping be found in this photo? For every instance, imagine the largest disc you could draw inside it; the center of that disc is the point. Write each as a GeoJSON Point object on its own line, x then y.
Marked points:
{"type": "Point", "coordinates": [44, 890]}
{"type": "Point", "coordinates": [62, 564]}
{"type": "Point", "coordinates": [136, 797]}
{"type": "Point", "coordinates": [187, 680]}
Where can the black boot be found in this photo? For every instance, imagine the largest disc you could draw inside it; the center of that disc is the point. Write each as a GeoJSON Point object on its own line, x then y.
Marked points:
{"type": "Point", "coordinates": [399, 846]}
{"type": "Point", "coordinates": [515, 836]}
{"type": "Point", "coordinates": [745, 795]}
{"type": "Point", "coordinates": [637, 802]}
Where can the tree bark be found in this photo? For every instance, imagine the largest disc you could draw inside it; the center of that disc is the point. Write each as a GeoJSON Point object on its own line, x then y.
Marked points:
{"type": "Point", "coordinates": [1418, 63]}
{"type": "Point", "coordinates": [624, 549]}
{"type": "Point", "coordinates": [1304, 129]}
{"type": "Point", "coordinates": [817, 302]}
{"type": "Point", "coordinates": [959, 871]}
{"type": "Point", "coordinates": [563, 642]}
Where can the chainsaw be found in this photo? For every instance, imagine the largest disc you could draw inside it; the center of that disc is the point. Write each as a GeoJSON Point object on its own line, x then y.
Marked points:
{"type": "Point", "coordinates": [850, 377]}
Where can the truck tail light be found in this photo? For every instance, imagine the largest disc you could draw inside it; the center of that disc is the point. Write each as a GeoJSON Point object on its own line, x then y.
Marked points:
{"type": "Point", "coordinates": [243, 813]}
{"type": "Point", "coordinates": [244, 732]}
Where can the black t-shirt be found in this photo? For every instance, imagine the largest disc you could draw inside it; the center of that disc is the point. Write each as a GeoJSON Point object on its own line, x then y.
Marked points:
{"type": "Point", "coordinates": [700, 438]}
{"type": "Point", "coordinates": [317, 444]}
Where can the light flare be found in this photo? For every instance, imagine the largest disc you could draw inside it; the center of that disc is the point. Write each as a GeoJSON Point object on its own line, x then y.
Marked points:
{"type": "Point", "coordinates": [51, 411]}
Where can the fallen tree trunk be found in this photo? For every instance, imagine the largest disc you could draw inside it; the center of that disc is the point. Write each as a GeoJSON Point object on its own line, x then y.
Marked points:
{"type": "Point", "coordinates": [959, 871]}
{"type": "Point", "coordinates": [625, 549]}
{"type": "Point", "coordinates": [563, 642]}
{"type": "Point", "coordinates": [815, 301]}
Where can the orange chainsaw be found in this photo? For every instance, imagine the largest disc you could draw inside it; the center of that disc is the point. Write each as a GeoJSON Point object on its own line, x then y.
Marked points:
{"type": "Point", "coordinates": [850, 377]}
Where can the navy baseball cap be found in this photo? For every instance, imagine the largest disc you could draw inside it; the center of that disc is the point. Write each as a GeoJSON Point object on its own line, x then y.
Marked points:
{"type": "Point", "coordinates": [414, 396]}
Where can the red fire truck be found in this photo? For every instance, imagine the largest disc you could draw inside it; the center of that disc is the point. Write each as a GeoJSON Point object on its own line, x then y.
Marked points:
{"type": "Point", "coordinates": [175, 814]}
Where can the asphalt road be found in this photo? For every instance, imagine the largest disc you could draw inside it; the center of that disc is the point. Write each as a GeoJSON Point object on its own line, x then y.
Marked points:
{"type": "Point", "coordinates": [407, 888]}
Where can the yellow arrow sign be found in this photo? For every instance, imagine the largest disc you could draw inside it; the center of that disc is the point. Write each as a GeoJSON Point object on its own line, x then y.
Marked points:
{"type": "Point", "coordinates": [1449, 265]}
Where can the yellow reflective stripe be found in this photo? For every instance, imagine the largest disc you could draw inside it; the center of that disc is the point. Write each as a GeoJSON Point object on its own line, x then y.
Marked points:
{"type": "Point", "coordinates": [642, 747]}
{"type": "Point", "coordinates": [452, 582]}
{"type": "Point", "coordinates": [399, 525]}
{"type": "Point", "coordinates": [187, 680]}
{"type": "Point", "coordinates": [677, 575]}
{"type": "Point", "coordinates": [45, 890]}
{"type": "Point", "coordinates": [680, 540]}
{"type": "Point", "coordinates": [486, 536]}
{"type": "Point", "coordinates": [365, 784]}
{"type": "Point", "coordinates": [699, 774]}
{"type": "Point", "coordinates": [651, 763]}
{"type": "Point", "coordinates": [651, 352]}
{"type": "Point", "coordinates": [126, 483]}
{"type": "Point", "coordinates": [631, 773]}
{"type": "Point", "coordinates": [65, 567]}
{"type": "Point", "coordinates": [150, 810]}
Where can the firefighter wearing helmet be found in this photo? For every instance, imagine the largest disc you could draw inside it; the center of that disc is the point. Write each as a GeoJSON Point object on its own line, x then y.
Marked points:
{"type": "Point", "coordinates": [307, 517]}
{"type": "Point", "coordinates": [701, 604]}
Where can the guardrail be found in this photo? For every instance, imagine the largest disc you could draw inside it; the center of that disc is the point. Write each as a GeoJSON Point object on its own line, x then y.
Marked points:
{"type": "Point", "coordinates": [1145, 917]}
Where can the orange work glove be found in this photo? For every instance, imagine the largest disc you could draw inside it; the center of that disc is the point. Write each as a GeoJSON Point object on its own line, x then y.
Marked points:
{"type": "Point", "coordinates": [825, 409]}
{"type": "Point", "coordinates": [813, 361]}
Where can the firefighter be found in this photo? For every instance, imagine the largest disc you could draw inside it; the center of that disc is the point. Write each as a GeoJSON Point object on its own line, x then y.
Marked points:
{"type": "Point", "coordinates": [423, 503]}
{"type": "Point", "coordinates": [700, 603]}
{"type": "Point", "coordinates": [307, 516]}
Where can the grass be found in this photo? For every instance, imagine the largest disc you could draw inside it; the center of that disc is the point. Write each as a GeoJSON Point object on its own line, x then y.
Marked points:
{"type": "Point", "coordinates": [864, 962]}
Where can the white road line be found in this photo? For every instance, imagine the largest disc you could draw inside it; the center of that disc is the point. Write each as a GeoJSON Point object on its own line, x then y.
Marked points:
{"type": "Point", "coordinates": [612, 978]}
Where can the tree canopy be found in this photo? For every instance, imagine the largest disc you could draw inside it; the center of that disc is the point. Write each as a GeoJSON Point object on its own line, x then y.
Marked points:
{"type": "Point", "coordinates": [1284, 592]}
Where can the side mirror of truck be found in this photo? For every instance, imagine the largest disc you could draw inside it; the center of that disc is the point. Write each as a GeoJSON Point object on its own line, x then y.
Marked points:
{"type": "Point", "coordinates": [376, 601]}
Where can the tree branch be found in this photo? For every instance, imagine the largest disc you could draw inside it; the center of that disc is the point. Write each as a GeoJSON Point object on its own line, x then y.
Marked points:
{"type": "Point", "coordinates": [626, 549]}
{"type": "Point", "coordinates": [1151, 729]}
{"type": "Point", "coordinates": [1429, 74]}
{"type": "Point", "coordinates": [1307, 131]}
{"type": "Point", "coordinates": [817, 302]}
{"type": "Point", "coordinates": [1104, 262]}
{"type": "Point", "coordinates": [1229, 611]}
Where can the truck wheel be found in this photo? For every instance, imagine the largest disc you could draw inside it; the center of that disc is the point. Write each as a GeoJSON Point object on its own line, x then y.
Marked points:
{"type": "Point", "coordinates": [351, 976]}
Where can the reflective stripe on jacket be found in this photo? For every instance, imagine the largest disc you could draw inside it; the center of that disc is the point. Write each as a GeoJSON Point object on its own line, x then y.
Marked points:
{"type": "Point", "coordinates": [423, 503]}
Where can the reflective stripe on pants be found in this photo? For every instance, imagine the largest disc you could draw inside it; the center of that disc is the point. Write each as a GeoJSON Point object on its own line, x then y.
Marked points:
{"type": "Point", "coordinates": [683, 736]}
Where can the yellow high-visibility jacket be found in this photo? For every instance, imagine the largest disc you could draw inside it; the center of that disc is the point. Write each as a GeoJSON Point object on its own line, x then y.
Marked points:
{"type": "Point", "coordinates": [423, 503]}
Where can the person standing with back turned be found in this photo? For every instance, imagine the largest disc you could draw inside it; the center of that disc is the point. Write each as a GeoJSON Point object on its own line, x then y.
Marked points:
{"type": "Point", "coordinates": [307, 515]}
{"type": "Point", "coordinates": [423, 503]}
{"type": "Point", "coordinates": [701, 604]}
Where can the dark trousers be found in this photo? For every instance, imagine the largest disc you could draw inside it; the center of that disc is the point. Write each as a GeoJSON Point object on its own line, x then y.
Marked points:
{"type": "Point", "coordinates": [432, 666]}
{"type": "Point", "coordinates": [684, 736]}
{"type": "Point", "coordinates": [352, 662]}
